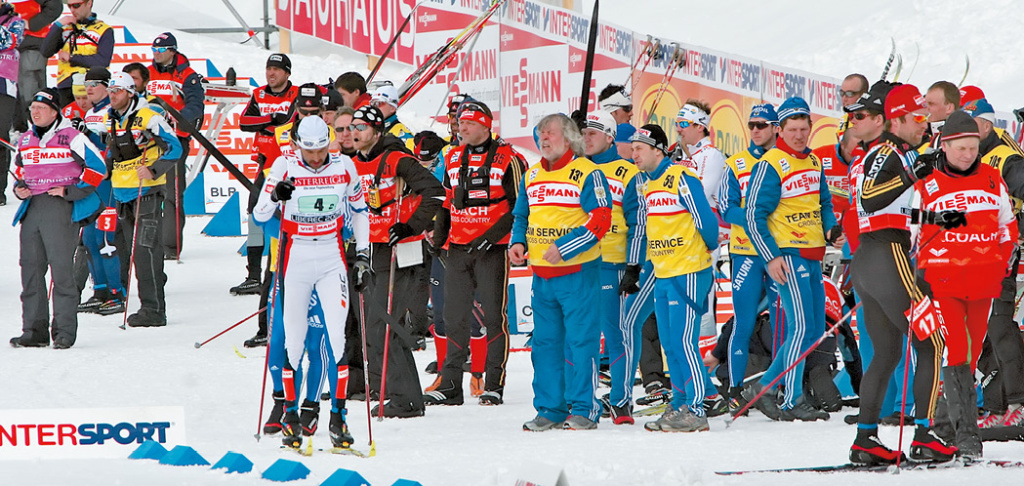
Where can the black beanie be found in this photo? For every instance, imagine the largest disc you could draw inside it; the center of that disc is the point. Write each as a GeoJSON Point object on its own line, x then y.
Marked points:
{"type": "Point", "coordinates": [279, 60]}
{"type": "Point", "coordinates": [959, 125]}
{"type": "Point", "coordinates": [653, 135]}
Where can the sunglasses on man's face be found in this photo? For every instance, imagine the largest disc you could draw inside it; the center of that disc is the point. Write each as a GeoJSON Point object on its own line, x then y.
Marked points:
{"type": "Point", "coordinates": [92, 83]}
{"type": "Point", "coordinates": [160, 49]}
{"type": "Point", "coordinates": [78, 5]}
{"type": "Point", "coordinates": [759, 125]}
{"type": "Point", "coordinates": [358, 127]}
{"type": "Point", "coordinates": [861, 116]}
{"type": "Point", "coordinates": [683, 123]}
{"type": "Point", "coordinates": [850, 94]}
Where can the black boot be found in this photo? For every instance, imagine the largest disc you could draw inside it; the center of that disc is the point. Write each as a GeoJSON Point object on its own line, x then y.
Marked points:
{"type": "Point", "coordinates": [309, 415]}
{"type": "Point", "coordinates": [929, 447]}
{"type": "Point", "coordinates": [962, 400]}
{"type": "Point", "coordinates": [868, 449]}
{"type": "Point", "coordinates": [767, 404]}
{"type": "Point", "coordinates": [292, 429]}
{"type": "Point", "coordinates": [273, 424]}
{"type": "Point", "coordinates": [340, 435]}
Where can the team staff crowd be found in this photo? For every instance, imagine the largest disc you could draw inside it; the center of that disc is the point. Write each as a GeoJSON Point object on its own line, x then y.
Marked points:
{"type": "Point", "coordinates": [386, 238]}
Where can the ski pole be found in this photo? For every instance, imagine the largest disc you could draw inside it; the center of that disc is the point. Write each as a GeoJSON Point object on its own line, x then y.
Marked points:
{"type": "Point", "coordinates": [271, 307]}
{"type": "Point", "coordinates": [391, 299]}
{"type": "Point", "coordinates": [177, 210]}
{"type": "Point", "coordinates": [131, 257]}
{"type": "Point", "coordinates": [798, 360]}
{"type": "Point", "coordinates": [366, 369]}
{"type": "Point", "coordinates": [219, 334]}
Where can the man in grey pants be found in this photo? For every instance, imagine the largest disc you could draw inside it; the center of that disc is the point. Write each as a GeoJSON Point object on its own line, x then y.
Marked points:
{"type": "Point", "coordinates": [61, 169]}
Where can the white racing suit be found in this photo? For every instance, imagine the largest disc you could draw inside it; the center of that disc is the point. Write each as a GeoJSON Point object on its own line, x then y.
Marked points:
{"type": "Point", "coordinates": [312, 246]}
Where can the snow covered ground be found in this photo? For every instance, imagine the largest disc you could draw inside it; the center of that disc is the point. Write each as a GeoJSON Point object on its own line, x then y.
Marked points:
{"type": "Point", "coordinates": [468, 445]}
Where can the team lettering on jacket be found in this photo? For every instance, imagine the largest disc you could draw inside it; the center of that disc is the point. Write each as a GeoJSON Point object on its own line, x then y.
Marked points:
{"type": "Point", "coordinates": [55, 155]}
{"type": "Point", "coordinates": [966, 201]}
{"type": "Point", "coordinates": [554, 193]}
{"type": "Point", "coordinates": [801, 183]}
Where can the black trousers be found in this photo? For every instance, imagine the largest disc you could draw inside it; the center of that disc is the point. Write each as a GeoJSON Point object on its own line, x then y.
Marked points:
{"type": "Point", "coordinates": [174, 210]}
{"type": "Point", "coordinates": [884, 280]}
{"type": "Point", "coordinates": [1002, 357]}
{"type": "Point", "coordinates": [652, 366]}
{"type": "Point", "coordinates": [48, 238]}
{"type": "Point", "coordinates": [403, 382]}
{"type": "Point", "coordinates": [8, 108]}
{"type": "Point", "coordinates": [483, 274]}
{"type": "Point", "coordinates": [146, 250]}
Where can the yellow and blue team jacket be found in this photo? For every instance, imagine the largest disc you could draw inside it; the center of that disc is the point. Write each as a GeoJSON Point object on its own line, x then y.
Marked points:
{"type": "Point", "coordinates": [621, 177]}
{"type": "Point", "coordinates": [680, 228]}
{"type": "Point", "coordinates": [398, 129]}
{"type": "Point", "coordinates": [789, 207]}
{"type": "Point", "coordinates": [731, 198]}
{"type": "Point", "coordinates": [568, 207]}
{"type": "Point", "coordinates": [156, 140]}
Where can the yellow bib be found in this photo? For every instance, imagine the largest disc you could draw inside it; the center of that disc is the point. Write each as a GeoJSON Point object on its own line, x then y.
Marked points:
{"type": "Point", "coordinates": [86, 42]}
{"type": "Point", "coordinates": [124, 173]}
{"type": "Point", "coordinates": [796, 222]}
{"type": "Point", "coordinates": [555, 210]}
{"type": "Point", "coordinates": [619, 173]}
{"type": "Point", "coordinates": [741, 165]}
{"type": "Point", "coordinates": [674, 244]}
{"type": "Point", "coordinates": [997, 158]}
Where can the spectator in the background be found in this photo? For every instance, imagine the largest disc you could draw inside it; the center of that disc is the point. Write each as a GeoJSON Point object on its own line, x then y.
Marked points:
{"type": "Point", "coordinates": [332, 103]}
{"type": "Point", "coordinates": [80, 41]}
{"type": "Point", "coordinates": [385, 99]}
{"type": "Point", "coordinates": [38, 14]}
{"type": "Point", "coordinates": [343, 130]}
{"type": "Point", "coordinates": [352, 87]}
{"type": "Point", "coordinates": [614, 100]}
{"type": "Point", "coordinates": [172, 80]}
{"type": "Point", "coordinates": [12, 29]}
{"type": "Point", "coordinates": [140, 75]}
{"type": "Point", "coordinates": [75, 111]}
{"type": "Point", "coordinates": [57, 197]}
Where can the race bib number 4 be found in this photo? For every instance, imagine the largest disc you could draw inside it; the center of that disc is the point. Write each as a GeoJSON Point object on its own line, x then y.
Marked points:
{"type": "Point", "coordinates": [318, 204]}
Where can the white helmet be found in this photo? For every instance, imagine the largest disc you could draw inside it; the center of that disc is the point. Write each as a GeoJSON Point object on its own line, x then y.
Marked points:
{"type": "Point", "coordinates": [312, 133]}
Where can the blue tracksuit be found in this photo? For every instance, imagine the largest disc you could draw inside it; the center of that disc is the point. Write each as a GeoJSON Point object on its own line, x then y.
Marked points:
{"type": "Point", "coordinates": [682, 300]}
{"type": "Point", "coordinates": [566, 316]}
{"type": "Point", "coordinates": [803, 296]}
{"type": "Point", "coordinates": [750, 280]}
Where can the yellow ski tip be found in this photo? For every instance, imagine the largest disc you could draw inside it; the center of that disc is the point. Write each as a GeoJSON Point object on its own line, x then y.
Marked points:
{"type": "Point", "coordinates": [239, 353]}
{"type": "Point", "coordinates": [373, 449]}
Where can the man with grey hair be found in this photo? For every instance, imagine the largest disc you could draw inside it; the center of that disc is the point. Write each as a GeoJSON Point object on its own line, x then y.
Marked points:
{"type": "Point", "coordinates": [562, 212]}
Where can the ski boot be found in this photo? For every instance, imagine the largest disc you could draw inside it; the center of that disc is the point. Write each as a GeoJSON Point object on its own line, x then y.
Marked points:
{"type": "Point", "coordinates": [340, 436]}
{"type": "Point", "coordinates": [309, 415]}
{"type": "Point", "coordinates": [929, 447]}
{"type": "Point", "coordinates": [868, 450]}
{"type": "Point", "coordinates": [291, 427]}
{"type": "Point", "coordinates": [273, 424]}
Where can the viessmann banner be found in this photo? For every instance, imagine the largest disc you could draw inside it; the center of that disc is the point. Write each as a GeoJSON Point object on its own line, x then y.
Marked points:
{"type": "Point", "coordinates": [528, 62]}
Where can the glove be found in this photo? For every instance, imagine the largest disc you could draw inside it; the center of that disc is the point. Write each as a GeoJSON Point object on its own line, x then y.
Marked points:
{"type": "Point", "coordinates": [946, 219]}
{"type": "Point", "coordinates": [279, 118]}
{"type": "Point", "coordinates": [398, 232]}
{"type": "Point", "coordinates": [79, 124]}
{"type": "Point", "coordinates": [630, 283]}
{"type": "Point", "coordinates": [361, 274]}
{"type": "Point", "coordinates": [924, 164]}
{"type": "Point", "coordinates": [479, 244]}
{"type": "Point", "coordinates": [580, 118]}
{"type": "Point", "coordinates": [834, 234]}
{"type": "Point", "coordinates": [282, 191]}
{"type": "Point", "coordinates": [6, 39]}
{"type": "Point", "coordinates": [428, 145]}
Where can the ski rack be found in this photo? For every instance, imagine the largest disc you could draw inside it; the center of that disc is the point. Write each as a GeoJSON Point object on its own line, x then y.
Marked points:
{"type": "Point", "coordinates": [227, 98]}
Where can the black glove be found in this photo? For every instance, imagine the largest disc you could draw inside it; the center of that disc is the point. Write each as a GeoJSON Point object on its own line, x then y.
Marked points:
{"type": "Point", "coordinates": [946, 219]}
{"type": "Point", "coordinates": [282, 191]}
{"type": "Point", "coordinates": [479, 244]}
{"type": "Point", "coordinates": [361, 274]}
{"type": "Point", "coordinates": [834, 234]}
{"type": "Point", "coordinates": [924, 164]}
{"type": "Point", "coordinates": [580, 118]}
{"type": "Point", "coordinates": [630, 283]}
{"type": "Point", "coordinates": [399, 232]}
{"type": "Point", "coordinates": [428, 145]}
{"type": "Point", "coordinates": [279, 118]}
{"type": "Point", "coordinates": [79, 124]}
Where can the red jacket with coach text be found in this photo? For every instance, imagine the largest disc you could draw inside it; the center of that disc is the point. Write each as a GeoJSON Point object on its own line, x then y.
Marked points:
{"type": "Point", "coordinates": [968, 262]}
{"type": "Point", "coordinates": [471, 222]}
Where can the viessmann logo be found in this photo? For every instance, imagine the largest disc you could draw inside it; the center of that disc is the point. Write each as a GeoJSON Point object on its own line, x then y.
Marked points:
{"type": "Point", "coordinates": [87, 433]}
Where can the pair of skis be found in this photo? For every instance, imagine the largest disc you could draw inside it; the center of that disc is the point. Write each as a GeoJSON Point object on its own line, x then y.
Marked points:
{"type": "Point", "coordinates": [307, 450]}
{"type": "Point", "coordinates": [675, 61]}
{"type": "Point", "coordinates": [898, 59]}
{"type": "Point", "coordinates": [906, 466]}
